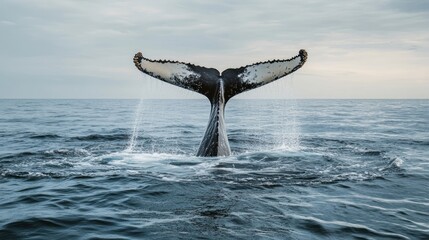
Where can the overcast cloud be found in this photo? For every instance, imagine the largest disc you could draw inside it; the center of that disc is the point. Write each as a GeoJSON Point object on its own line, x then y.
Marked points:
{"type": "Point", "coordinates": [84, 49]}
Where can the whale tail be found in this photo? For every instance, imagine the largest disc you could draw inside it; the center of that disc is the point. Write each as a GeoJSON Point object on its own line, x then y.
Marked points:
{"type": "Point", "coordinates": [206, 80]}
{"type": "Point", "coordinates": [218, 88]}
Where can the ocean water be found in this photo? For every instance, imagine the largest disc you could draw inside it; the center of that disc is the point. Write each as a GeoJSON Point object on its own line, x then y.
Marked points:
{"type": "Point", "coordinates": [300, 169]}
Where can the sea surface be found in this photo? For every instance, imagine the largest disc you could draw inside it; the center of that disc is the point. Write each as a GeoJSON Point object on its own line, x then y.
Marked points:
{"type": "Point", "coordinates": [300, 169]}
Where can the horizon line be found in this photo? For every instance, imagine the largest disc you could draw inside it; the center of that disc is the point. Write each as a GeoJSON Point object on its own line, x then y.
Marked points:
{"type": "Point", "coordinates": [204, 98]}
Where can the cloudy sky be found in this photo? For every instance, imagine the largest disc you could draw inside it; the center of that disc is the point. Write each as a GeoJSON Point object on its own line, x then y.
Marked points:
{"type": "Point", "coordinates": [84, 49]}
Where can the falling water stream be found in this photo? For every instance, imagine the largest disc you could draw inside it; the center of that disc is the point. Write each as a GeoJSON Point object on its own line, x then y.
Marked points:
{"type": "Point", "coordinates": [138, 115]}
{"type": "Point", "coordinates": [289, 127]}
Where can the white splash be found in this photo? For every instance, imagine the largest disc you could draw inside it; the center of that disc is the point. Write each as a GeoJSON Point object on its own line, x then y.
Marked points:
{"type": "Point", "coordinates": [397, 162]}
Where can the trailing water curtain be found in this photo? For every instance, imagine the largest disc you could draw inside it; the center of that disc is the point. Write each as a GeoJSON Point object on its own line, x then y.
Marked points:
{"type": "Point", "coordinates": [218, 88]}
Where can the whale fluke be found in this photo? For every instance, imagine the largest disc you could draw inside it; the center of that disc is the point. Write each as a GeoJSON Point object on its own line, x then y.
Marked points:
{"type": "Point", "coordinates": [242, 79]}
{"type": "Point", "coordinates": [218, 88]}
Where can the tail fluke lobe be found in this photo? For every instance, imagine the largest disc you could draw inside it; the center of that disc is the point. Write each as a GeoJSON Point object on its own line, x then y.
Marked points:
{"type": "Point", "coordinates": [238, 80]}
{"type": "Point", "coordinates": [196, 78]}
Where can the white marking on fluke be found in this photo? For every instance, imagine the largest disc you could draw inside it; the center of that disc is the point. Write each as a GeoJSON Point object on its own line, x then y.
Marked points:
{"type": "Point", "coordinates": [168, 71]}
{"type": "Point", "coordinates": [265, 72]}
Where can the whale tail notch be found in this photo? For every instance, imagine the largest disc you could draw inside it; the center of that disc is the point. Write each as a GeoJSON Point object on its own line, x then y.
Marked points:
{"type": "Point", "coordinates": [206, 80]}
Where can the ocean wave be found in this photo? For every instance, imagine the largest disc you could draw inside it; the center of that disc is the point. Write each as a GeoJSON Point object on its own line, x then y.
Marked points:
{"type": "Point", "coordinates": [102, 137]}
{"type": "Point", "coordinates": [44, 136]}
{"type": "Point", "coordinates": [30, 175]}
{"type": "Point", "coordinates": [47, 154]}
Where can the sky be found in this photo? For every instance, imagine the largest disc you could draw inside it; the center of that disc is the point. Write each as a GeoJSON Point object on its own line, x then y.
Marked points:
{"type": "Point", "coordinates": [84, 49]}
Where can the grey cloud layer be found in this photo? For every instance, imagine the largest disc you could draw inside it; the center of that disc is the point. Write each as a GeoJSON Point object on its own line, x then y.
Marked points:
{"type": "Point", "coordinates": [47, 44]}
